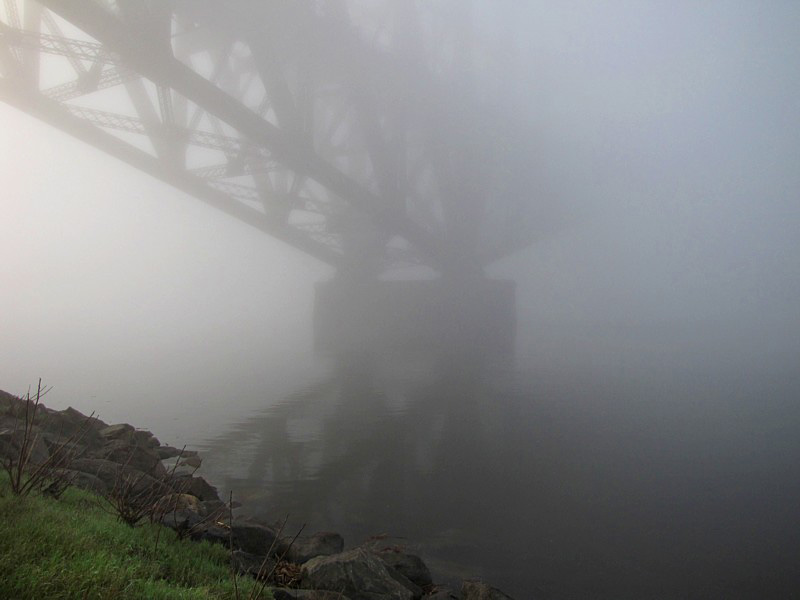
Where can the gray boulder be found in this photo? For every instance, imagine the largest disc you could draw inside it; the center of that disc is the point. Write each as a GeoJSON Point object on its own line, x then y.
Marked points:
{"type": "Point", "coordinates": [322, 543]}
{"type": "Point", "coordinates": [409, 565]}
{"type": "Point", "coordinates": [214, 534]}
{"type": "Point", "coordinates": [85, 481]}
{"type": "Point", "coordinates": [111, 474]}
{"type": "Point", "coordinates": [61, 426]}
{"type": "Point", "coordinates": [145, 438]}
{"type": "Point", "coordinates": [7, 401]}
{"type": "Point", "coordinates": [120, 431]}
{"type": "Point", "coordinates": [127, 452]}
{"type": "Point", "coordinates": [193, 462]}
{"type": "Point", "coordinates": [181, 519]}
{"type": "Point", "coordinates": [58, 444]}
{"type": "Point", "coordinates": [165, 452]}
{"type": "Point", "coordinates": [251, 564]}
{"type": "Point", "coordinates": [217, 508]}
{"type": "Point", "coordinates": [359, 574]}
{"type": "Point", "coordinates": [252, 537]}
{"type": "Point", "coordinates": [196, 486]}
{"type": "Point", "coordinates": [11, 442]}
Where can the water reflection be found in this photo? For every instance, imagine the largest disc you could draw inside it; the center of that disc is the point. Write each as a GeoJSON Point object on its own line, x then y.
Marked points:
{"type": "Point", "coordinates": [559, 483]}
{"type": "Point", "coordinates": [384, 445]}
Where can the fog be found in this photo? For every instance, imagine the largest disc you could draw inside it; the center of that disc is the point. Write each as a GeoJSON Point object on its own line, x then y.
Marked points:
{"type": "Point", "coordinates": [652, 150]}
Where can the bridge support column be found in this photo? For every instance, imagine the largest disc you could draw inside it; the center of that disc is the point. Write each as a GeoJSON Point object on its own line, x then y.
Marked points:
{"type": "Point", "coordinates": [353, 316]}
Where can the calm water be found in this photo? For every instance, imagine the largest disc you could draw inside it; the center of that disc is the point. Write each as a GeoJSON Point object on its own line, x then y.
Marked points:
{"type": "Point", "coordinates": [661, 473]}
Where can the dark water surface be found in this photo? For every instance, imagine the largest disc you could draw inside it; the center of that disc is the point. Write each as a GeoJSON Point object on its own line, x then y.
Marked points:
{"type": "Point", "coordinates": [669, 474]}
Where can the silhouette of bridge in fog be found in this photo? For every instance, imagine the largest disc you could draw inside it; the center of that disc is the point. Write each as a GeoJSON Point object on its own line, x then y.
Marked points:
{"type": "Point", "coordinates": [371, 144]}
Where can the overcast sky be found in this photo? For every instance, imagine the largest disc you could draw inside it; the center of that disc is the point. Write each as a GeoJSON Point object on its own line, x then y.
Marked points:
{"type": "Point", "coordinates": [674, 123]}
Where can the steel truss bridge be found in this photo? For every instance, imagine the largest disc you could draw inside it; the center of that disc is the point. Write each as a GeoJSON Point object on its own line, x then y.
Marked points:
{"type": "Point", "coordinates": [363, 134]}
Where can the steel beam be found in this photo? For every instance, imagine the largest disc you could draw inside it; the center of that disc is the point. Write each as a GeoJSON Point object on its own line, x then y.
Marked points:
{"type": "Point", "coordinates": [54, 114]}
{"type": "Point", "coordinates": [293, 152]}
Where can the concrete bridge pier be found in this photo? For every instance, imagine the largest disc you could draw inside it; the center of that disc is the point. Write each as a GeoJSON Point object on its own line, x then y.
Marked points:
{"type": "Point", "coordinates": [354, 316]}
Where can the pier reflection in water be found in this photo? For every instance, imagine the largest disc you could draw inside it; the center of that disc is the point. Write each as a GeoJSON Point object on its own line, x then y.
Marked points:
{"type": "Point", "coordinates": [566, 482]}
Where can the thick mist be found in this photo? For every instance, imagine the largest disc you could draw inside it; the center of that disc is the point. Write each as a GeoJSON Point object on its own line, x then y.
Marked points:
{"type": "Point", "coordinates": [631, 167]}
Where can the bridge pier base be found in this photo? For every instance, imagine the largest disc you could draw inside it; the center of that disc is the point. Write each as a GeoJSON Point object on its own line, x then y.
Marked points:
{"type": "Point", "coordinates": [353, 316]}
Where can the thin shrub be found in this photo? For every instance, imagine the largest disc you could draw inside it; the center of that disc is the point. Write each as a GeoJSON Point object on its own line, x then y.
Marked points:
{"type": "Point", "coordinates": [50, 475]}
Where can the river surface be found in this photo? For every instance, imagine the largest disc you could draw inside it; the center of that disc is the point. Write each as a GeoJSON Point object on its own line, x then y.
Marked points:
{"type": "Point", "coordinates": [601, 466]}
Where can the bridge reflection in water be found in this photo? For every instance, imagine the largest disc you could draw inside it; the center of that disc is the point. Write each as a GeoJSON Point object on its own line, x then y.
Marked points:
{"type": "Point", "coordinates": [574, 481]}
{"type": "Point", "coordinates": [392, 440]}
{"type": "Point", "coordinates": [415, 448]}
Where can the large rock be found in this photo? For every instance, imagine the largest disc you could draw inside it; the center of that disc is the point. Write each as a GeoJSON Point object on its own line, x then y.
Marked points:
{"type": "Point", "coordinates": [67, 450]}
{"type": "Point", "coordinates": [322, 543]}
{"type": "Point", "coordinates": [72, 425]}
{"type": "Point", "coordinates": [165, 452]}
{"type": "Point", "coordinates": [214, 534]}
{"type": "Point", "coordinates": [174, 501]}
{"type": "Point", "coordinates": [78, 419]}
{"type": "Point", "coordinates": [120, 431]}
{"type": "Point", "coordinates": [252, 537]}
{"type": "Point", "coordinates": [84, 481]}
{"type": "Point", "coordinates": [477, 590]}
{"type": "Point", "coordinates": [409, 565]}
{"type": "Point", "coordinates": [184, 521]}
{"type": "Point", "coordinates": [11, 443]}
{"type": "Point", "coordinates": [216, 509]}
{"type": "Point", "coordinates": [7, 401]}
{"type": "Point", "coordinates": [251, 564]}
{"type": "Point", "coordinates": [359, 574]}
{"type": "Point", "coordinates": [193, 462]}
{"type": "Point", "coordinates": [127, 452]}
{"type": "Point", "coordinates": [113, 474]}
{"type": "Point", "coordinates": [196, 486]}
{"type": "Point", "coordinates": [144, 438]}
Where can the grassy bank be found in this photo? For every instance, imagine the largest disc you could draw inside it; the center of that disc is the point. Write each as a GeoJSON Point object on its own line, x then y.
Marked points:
{"type": "Point", "coordinates": [71, 548]}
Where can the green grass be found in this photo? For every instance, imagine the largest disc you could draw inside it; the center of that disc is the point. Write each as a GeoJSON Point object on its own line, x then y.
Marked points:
{"type": "Point", "coordinates": [71, 548]}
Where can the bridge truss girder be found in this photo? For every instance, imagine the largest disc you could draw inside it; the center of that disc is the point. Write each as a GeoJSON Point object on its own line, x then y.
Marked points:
{"type": "Point", "coordinates": [346, 151]}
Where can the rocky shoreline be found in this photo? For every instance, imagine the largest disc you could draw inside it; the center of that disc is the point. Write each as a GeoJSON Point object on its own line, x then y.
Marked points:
{"type": "Point", "coordinates": [144, 478]}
